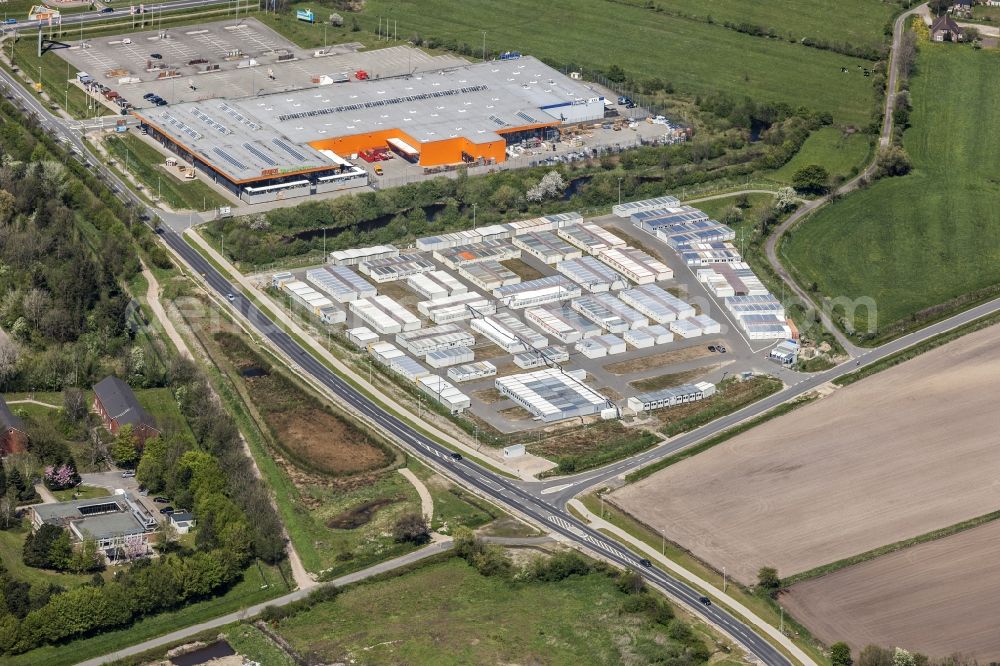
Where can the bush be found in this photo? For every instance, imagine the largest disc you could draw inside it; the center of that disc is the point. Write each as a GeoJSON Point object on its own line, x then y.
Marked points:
{"type": "Point", "coordinates": [411, 528]}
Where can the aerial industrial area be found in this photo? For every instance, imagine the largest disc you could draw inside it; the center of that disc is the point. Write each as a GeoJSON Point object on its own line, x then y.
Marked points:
{"type": "Point", "coordinates": [619, 335]}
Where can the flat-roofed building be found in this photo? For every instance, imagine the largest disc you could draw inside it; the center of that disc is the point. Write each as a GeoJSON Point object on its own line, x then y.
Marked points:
{"type": "Point", "coordinates": [549, 289]}
{"type": "Point", "coordinates": [657, 303]}
{"type": "Point", "coordinates": [423, 341]}
{"type": "Point", "coordinates": [489, 275]}
{"type": "Point", "coordinates": [469, 372]}
{"type": "Point", "coordinates": [601, 345]}
{"type": "Point", "coordinates": [112, 522]}
{"type": "Point", "coordinates": [509, 333]}
{"type": "Point", "coordinates": [544, 223]}
{"type": "Point", "coordinates": [341, 283]}
{"type": "Point", "coordinates": [362, 336]}
{"type": "Point", "coordinates": [547, 246]}
{"type": "Point", "coordinates": [475, 253]}
{"type": "Point", "coordinates": [443, 358]}
{"type": "Point", "coordinates": [561, 322]}
{"type": "Point", "coordinates": [355, 256]}
{"type": "Point", "coordinates": [390, 269]}
{"type": "Point", "coordinates": [457, 308]}
{"type": "Point", "coordinates": [609, 312]}
{"type": "Point", "coordinates": [384, 315]}
{"type": "Point", "coordinates": [445, 393]}
{"type": "Point", "coordinates": [685, 328]}
{"type": "Point", "coordinates": [592, 274]}
{"type": "Point", "coordinates": [636, 265]}
{"type": "Point", "coordinates": [536, 358]}
{"type": "Point", "coordinates": [591, 238]}
{"type": "Point", "coordinates": [629, 208]}
{"type": "Point", "coordinates": [435, 285]}
{"type": "Point", "coordinates": [553, 395]}
{"type": "Point", "coordinates": [669, 397]}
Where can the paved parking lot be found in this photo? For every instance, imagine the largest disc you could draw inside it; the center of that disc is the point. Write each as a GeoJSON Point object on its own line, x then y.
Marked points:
{"type": "Point", "coordinates": [281, 65]}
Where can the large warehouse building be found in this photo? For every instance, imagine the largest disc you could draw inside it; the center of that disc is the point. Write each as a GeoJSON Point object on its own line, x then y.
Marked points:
{"type": "Point", "coordinates": [294, 142]}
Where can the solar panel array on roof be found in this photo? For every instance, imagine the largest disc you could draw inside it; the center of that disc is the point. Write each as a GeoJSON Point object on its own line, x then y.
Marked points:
{"type": "Point", "coordinates": [656, 303]}
{"type": "Point", "coordinates": [190, 131]}
{"type": "Point", "coordinates": [229, 158]}
{"type": "Point", "coordinates": [239, 116]}
{"type": "Point", "coordinates": [288, 149]}
{"type": "Point", "coordinates": [260, 154]}
{"type": "Point", "coordinates": [552, 395]}
{"type": "Point", "coordinates": [208, 120]}
{"type": "Point", "coordinates": [609, 312]}
{"type": "Point", "coordinates": [630, 207]}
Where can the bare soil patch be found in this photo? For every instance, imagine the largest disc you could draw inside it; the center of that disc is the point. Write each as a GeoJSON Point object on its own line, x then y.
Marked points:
{"type": "Point", "coordinates": [523, 270]}
{"type": "Point", "coordinates": [674, 379]}
{"type": "Point", "coordinates": [936, 598]}
{"type": "Point", "coordinates": [360, 515]}
{"type": "Point", "coordinates": [695, 352]}
{"type": "Point", "coordinates": [908, 451]}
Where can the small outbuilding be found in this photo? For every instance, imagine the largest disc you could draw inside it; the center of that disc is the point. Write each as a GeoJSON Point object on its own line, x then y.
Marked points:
{"type": "Point", "coordinates": [117, 406]}
{"type": "Point", "coordinates": [182, 521]}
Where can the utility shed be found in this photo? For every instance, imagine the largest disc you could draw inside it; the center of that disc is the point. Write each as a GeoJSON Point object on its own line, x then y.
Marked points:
{"type": "Point", "coordinates": [426, 340]}
{"type": "Point", "coordinates": [636, 265]}
{"type": "Point", "coordinates": [547, 246]}
{"type": "Point", "coordinates": [660, 334]}
{"type": "Point", "coordinates": [549, 289]}
{"type": "Point", "coordinates": [561, 322]}
{"type": "Point", "coordinates": [707, 325]}
{"type": "Point", "coordinates": [442, 358]}
{"type": "Point", "coordinates": [456, 308]}
{"type": "Point", "coordinates": [553, 395]}
{"type": "Point", "coordinates": [445, 393]}
{"type": "Point", "coordinates": [390, 269]}
{"type": "Point", "coordinates": [340, 283]}
{"type": "Point", "coordinates": [592, 274]}
{"type": "Point", "coordinates": [435, 285]}
{"type": "Point", "coordinates": [685, 329]}
{"type": "Point", "coordinates": [489, 275]}
{"type": "Point", "coordinates": [609, 312]}
{"type": "Point", "coordinates": [472, 371]}
{"type": "Point", "coordinates": [657, 303]}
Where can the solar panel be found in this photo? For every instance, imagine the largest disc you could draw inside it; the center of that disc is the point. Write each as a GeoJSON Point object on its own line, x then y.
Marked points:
{"type": "Point", "coordinates": [524, 116]}
{"type": "Point", "coordinates": [229, 158]}
{"type": "Point", "coordinates": [288, 149]}
{"type": "Point", "coordinates": [239, 116]}
{"type": "Point", "coordinates": [260, 154]}
{"type": "Point", "coordinates": [499, 121]}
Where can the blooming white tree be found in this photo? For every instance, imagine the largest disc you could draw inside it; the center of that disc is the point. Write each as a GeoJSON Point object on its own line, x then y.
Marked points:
{"type": "Point", "coordinates": [549, 187]}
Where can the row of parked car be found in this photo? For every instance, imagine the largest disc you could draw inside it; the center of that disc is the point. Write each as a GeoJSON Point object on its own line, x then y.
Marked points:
{"type": "Point", "coordinates": [155, 99]}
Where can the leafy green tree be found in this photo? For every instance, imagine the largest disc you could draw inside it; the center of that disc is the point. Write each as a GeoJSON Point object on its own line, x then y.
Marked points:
{"type": "Point", "coordinates": [631, 582]}
{"type": "Point", "coordinates": [152, 469]}
{"type": "Point", "coordinates": [86, 558]}
{"type": "Point", "coordinates": [61, 552]}
{"type": "Point", "coordinates": [840, 654]}
{"type": "Point", "coordinates": [38, 546]}
{"type": "Point", "coordinates": [125, 449]}
{"type": "Point", "coordinates": [768, 579]}
{"type": "Point", "coordinates": [875, 655]}
{"type": "Point", "coordinates": [812, 178]}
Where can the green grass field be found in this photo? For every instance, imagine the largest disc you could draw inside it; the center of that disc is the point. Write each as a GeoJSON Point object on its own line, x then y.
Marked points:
{"type": "Point", "coordinates": [446, 613]}
{"type": "Point", "coordinates": [647, 44]}
{"type": "Point", "coordinates": [146, 163]}
{"type": "Point", "coordinates": [831, 148]}
{"type": "Point", "coordinates": [927, 238]}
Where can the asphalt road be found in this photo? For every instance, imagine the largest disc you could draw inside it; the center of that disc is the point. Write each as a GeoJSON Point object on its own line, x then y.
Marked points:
{"type": "Point", "coordinates": [120, 12]}
{"type": "Point", "coordinates": [543, 502]}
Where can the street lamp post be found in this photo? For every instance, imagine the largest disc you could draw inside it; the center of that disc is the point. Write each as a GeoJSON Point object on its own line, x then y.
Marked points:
{"type": "Point", "coordinates": [619, 190]}
{"type": "Point", "coordinates": [474, 216]}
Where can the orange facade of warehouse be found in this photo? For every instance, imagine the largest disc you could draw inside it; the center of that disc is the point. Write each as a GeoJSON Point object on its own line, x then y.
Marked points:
{"type": "Point", "coordinates": [432, 153]}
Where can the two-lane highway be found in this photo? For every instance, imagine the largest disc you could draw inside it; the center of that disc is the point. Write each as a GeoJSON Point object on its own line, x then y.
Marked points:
{"type": "Point", "coordinates": [471, 475]}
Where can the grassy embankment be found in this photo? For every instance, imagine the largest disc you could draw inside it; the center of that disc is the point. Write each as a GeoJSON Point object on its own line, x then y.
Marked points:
{"type": "Point", "coordinates": [146, 164]}
{"type": "Point", "coordinates": [920, 245]}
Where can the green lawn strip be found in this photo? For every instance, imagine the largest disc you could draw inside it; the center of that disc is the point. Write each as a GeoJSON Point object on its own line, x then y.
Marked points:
{"type": "Point", "coordinates": [11, 555]}
{"type": "Point", "coordinates": [604, 452]}
{"type": "Point", "coordinates": [162, 406]}
{"type": "Point", "coordinates": [910, 352]}
{"type": "Point", "coordinates": [146, 163]}
{"type": "Point", "coordinates": [724, 402]}
{"type": "Point", "coordinates": [841, 155]}
{"type": "Point", "coordinates": [453, 506]}
{"type": "Point", "coordinates": [704, 445]}
{"type": "Point", "coordinates": [245, 593]}
{"type": "Point", "coordinates": [80, 492]}
{"type": "Point", "coordinates": [763, 607]}
{"type": "Point", "coordinates": [890, 548]}
{"type": "Point", "coordinates": [737, 64]}
{"type": "Point", "coordinates": [918, 245]}
{"type": "Point", "coordinates": [252, 643]}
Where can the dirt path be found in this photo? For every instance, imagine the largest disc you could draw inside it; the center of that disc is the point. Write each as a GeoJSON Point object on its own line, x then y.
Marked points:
{"type": "Point", "coordinates": [30, 401]}
{"type": "Point", "coordinates": [153, 300]}
{"type": "Point", "coordinates": [47, 497]}
{"type": "Point", "coordinates": [426, 502]}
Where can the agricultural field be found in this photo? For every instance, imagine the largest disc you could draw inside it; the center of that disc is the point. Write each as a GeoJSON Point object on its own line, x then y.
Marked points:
{"type": "Point", "coordinates": [837, 477]}
{"type": "Point", "coordinates": [937, 598]}
{"type": "Point", "coordinates": [919, 245]}
{"type": "Point", "coordinates": [467, 618]}
{"type": "Point", "coordinates": [648, 44]}
{"type": "Point", "coordinates": [839, 153]}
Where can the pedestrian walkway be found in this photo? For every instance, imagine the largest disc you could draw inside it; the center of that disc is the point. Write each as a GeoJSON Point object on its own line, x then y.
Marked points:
{"type": "Point", "coordinates": [426, 501]}
{"type": "Point", "coordinates": [745, 613]}
{"type": "Point", "coordinates": [153, 300]}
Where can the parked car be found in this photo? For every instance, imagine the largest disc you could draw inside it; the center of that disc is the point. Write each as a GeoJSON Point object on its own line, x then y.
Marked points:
{"type": "Point", "coordinates": [156, 56]}
{"type": "Point", "coordinates": [149, 96]}
{"type": "Point", "coordinates": [722, 350]}
{"type": "Point", "coordinates": [160, 102]}
{"type": "Point", "coordinates": [712, 348]}
{"type": "Point", "coordinates": [128, 474]}
{"type": "Point", "coordinates": [10, 21]}
{"type": "Point", "coordinates": [167, 510]}
{"type": "Point", "coordinates": [160, 500]}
